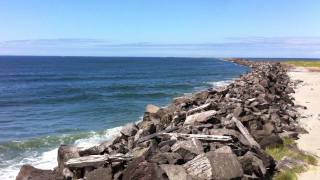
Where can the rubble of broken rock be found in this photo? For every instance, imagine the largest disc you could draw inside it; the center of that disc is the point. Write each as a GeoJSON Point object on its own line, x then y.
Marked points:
{"type": "Point", "coordinates": [214, 134]}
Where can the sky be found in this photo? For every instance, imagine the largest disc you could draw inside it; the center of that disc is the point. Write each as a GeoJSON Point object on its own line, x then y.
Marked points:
{"type": "Point", "coordinates": [195, 28]}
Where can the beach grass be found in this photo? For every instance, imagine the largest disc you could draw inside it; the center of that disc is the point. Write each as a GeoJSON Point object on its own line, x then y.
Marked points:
{"type": "Point", "coordinates": [289, 174]}
{"type": "Point", "coordinates": [305, 63]}
{"type": "Point", "coordinates": [280, 151]}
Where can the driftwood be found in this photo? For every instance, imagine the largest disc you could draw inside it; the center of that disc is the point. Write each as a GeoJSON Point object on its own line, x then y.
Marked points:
{"type": "Point", "coordinates": [95, 160]}
{"type": "Point", "coordinates": [204, 106]}
{"type": "Point", "coordinates": [245, 133]}
{"type": "Point", "coordinates": [146, 138]}
{"type": "Point", "coordinates": [201, 136]}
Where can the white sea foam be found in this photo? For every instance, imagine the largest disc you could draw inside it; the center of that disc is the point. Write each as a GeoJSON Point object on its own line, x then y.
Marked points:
{"type": "Point", "coordinates": [48, 159]}
{"type": "Point", "coordinates": [216, 84]}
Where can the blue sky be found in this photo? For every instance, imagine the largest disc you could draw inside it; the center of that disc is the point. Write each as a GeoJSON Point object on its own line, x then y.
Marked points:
{"type": "Point", "coordinates": [214, 28]}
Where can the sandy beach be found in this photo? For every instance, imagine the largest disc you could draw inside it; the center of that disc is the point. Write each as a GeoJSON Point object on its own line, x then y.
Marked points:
{"type": "Point", "coordinates": [307, 94]}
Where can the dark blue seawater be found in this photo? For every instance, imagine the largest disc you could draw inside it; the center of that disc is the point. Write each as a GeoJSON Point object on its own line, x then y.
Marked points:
{"type": "Point", "coordinates": [45, 101]}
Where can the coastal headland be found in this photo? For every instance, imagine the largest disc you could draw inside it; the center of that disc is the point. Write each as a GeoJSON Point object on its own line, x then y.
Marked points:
{"type": "Point", "coordinates": [245, 130]}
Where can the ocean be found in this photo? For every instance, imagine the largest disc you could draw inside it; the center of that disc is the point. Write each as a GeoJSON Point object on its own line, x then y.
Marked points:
{"type": "Point", "coordinates": [47, 101]}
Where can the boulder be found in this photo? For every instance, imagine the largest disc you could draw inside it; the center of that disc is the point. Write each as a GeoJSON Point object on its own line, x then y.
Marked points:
{"type": "Point", "coordinates": [188, 149]}
{"type": "Point", "coordinates": [147, 127]}
{"type": "Point", "coordinates": [166, 158]}
{"type": "Point", "coordinates": [165, 148]}
{"type": "Point", "coordinates": [66, 152]}
{"type": "Point", "coordinates": [271, 140]}
{"type": "Point", "coordinates": [267, 160]}
{"type": "Point", "coordinates": [201, 117]}
{"type": "Point", "coordinates": [139, 151]}
{"type": "Point", "coordinates": [150, 108]}
{"type": "Point", "coordinates": [252, 165]}
{"type": "Point", "coordinates": [167, 142]}
{"type": "Point", "coordinates": [289, 134]}
{"type": "Point", "coordinates": [224, 149]}
{"type": "Point", "coordinates": [95, 150]}
{"type": "Point", "coordinates": [28, 172]}
{"type": "Point", "coordinates": [67, 174]}
{"type": "Point", "coordinates": [100, 174]}
{"type": "Point", "coordinates": [129, 129]}
{"type": "Point", "coordinates": [140, 169]}
{"type": "Point", "coordinates": [175, 172]}
{"type": "Point", "coordinates": [287, 163]}
{"type": "Point", "coordinates": [238, 111]}
{"type": "Point", "coordinates": [268, 128]}
{"type": "Point", "coordinates": [215, 165]}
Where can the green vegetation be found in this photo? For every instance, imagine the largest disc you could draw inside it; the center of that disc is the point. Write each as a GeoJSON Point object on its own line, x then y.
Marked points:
{"type": "Point", "coordinates": [280, 151]}
{"type": "Point", "coordinates": [290, 174]}
{"type": "Point", "coordinates": [303, 63]}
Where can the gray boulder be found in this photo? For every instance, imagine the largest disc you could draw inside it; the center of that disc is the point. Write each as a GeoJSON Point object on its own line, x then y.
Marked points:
{"type": "Point", "coordinates": [66, 152]}
{"type": "Point", "coordinates": [129, 129]}
{"type": "Point", "coordinates": [140, 169]}
{"type": "Point", "coordinates": [201, 117]}
{"type": "Point", "coordinates": [175, 172]}
{"type": "Point", "coordinates": [219, 164]}
{"type": "Point", "coordinates": [28, 172]}
{"type": "Point", "coordinates": [100, 174]}
{"type": "Point", "coordinates": [252, 165]}
{"type": "Point", "coordinates": [188, 149]}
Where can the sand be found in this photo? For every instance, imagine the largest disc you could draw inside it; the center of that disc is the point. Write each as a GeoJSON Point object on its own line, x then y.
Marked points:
{"type": "Point", "coordinates": [308, 94]}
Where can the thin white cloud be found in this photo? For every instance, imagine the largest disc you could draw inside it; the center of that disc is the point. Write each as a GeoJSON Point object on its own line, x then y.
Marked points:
{"type": "Point", "coordinates": [235, 46]}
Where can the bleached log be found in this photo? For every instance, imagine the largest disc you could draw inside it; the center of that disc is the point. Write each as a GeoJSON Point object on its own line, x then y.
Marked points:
{"type": "Point", "coordinates": [201, 136]}
{"type": "Point", "coordinates": [199, 108]}
{"type": "Point", "coordinates": [95, 160]}
{"type": "Point", "coordinates": [245, 133]}
{"type": "Point", "coordinates": [146, 138]}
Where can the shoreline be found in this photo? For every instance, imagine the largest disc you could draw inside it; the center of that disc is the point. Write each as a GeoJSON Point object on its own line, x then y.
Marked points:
{"type": "Point", "coordinates": [88, 141]}
{"type": "Point", "coordinates": [216, 113]}
{"type": "Point", "coordinates": [27, 151]}
{"type": "Point", "coordinates": [307, 95]}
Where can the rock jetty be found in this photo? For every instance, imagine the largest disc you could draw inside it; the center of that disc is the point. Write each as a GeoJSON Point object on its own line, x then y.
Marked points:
{"type": "Point", "coordinates": [214, 134]}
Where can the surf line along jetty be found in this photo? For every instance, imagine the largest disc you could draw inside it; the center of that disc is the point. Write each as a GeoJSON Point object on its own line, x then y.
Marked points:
{"type": "Point", "coordinates": [214, 134]}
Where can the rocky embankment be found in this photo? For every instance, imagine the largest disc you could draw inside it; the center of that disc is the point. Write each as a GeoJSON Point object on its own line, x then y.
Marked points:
{"type": "Point", "coordinates": [214, 134]}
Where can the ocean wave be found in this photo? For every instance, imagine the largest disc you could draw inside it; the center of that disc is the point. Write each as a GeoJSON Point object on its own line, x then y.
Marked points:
{"type": "Point", "coordinates": [30, 153]}
{"type": "Point", "coordinates": [206, 85]}
{"type": "Point", "coordinates": [216, 84]}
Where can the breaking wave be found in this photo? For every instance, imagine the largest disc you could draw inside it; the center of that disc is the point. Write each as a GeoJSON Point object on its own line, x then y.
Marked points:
{"type": "Point", "coordinates": [42, 152]}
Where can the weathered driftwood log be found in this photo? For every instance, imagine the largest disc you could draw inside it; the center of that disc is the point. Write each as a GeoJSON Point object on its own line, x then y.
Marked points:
{"type": "Point", "coordinates": [199, 108]}
{"type": "Point", "coordinates": [201, 136]}
{"type": "Point", "coordinates": [245, 133]}
{"type": "Point", "coordinates": [199, 117]}
{"type": "Point", "coordinates": [146, 138]}
{"type": "Point", "coordinates": [96, 160]}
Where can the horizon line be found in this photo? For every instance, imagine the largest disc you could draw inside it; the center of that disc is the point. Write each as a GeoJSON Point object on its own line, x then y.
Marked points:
{"type": "Point", "coordinates": [97, 56]}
